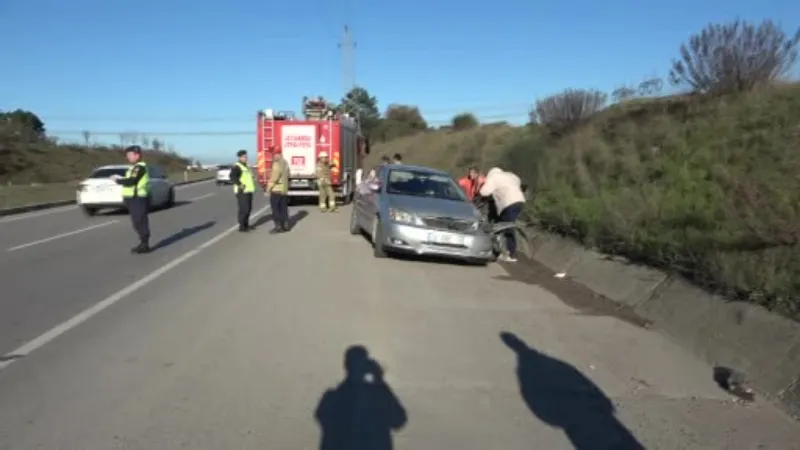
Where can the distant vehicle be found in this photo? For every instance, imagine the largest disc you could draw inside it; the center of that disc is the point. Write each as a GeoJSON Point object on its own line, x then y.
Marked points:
{"type": "Point", "coordinates": [100, 191]}
{"type": "Point", "coordinates": [301, 141]}
{"type": "Point", "coordinates": [419, 210]}
{"type": "Point", "coordinates": [223, 175]}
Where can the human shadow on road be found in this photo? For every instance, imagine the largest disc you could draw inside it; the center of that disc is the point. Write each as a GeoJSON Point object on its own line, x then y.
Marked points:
{"type": "Point", "coordinates": [124, 212]}
{"type": "Point", "coordinates": [183, 234]}
{"type": "Point", "coordinates": [362, 411]}
{"type": "Point", "coordinates": [293, 219]}
{"type": "Point", "coordinates": [559, 395]}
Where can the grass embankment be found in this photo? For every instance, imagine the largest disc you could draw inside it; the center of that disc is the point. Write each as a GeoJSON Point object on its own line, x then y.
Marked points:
{"type": "Point", "coordinates": [39, 171]}
{"type": "Point", "coordinates": [709, 188]}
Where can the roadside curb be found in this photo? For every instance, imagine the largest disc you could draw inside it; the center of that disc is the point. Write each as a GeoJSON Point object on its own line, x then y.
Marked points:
{"type": "Point", "coordinates": [763, 345]}
{"type": "Point", "coordinates": [49, 205]}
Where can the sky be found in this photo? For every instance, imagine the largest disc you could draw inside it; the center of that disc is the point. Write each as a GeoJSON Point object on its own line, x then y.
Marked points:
{"type": "Point", "coordinates": [194, 73]}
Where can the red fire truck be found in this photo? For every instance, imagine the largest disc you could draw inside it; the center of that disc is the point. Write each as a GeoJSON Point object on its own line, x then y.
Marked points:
{"type": "Point", "coordinates": [301, 141]}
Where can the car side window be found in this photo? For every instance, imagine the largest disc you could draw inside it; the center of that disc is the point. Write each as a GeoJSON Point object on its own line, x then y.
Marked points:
{"type": "Point", "coordinates": [155, 172]}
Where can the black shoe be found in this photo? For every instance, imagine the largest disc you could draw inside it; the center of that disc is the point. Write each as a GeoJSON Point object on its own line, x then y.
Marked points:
{"type": "Point", "coordinates": [141, 248]}
{"type": "Point", "coordinates": [244, 229]}
{"type": "Point", "coordinates": [286, 226]}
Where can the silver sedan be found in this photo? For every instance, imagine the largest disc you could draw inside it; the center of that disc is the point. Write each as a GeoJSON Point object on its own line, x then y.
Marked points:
{"type": "Point", "coordinates": [422, 211]}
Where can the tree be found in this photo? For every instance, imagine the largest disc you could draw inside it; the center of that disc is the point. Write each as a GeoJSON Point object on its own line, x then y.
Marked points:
{"type": "Point", "coordinates": [464, 121]}
{"type": "Point", "coordinates": [734, 57]}
{"type": "Point", "coordinates": [24, 123]}
{"type": "Point", "coordinates": [399, 121]}
{"type": "Point", "coordinates": [156, 144]}
{"type": "Point", "coordinates": [361, 104]}
{"type": "Point", "coordinates": [87, 136]}
{"type": "Point", "coordinates": [570, 108]}
{"type": "Point", "coordinates": [622, 94]}
{"type": "Point", "coordinates": [651, 87]}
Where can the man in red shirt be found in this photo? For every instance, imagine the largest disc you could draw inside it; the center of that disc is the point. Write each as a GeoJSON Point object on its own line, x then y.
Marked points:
{"type": "Point", "coordinates": [472, 182]}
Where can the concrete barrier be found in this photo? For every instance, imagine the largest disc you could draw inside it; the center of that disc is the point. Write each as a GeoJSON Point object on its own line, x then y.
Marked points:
{"type": "Point", "coordinates": [763, 345]}
{"type": "Point", "coordinates": [40, 206]}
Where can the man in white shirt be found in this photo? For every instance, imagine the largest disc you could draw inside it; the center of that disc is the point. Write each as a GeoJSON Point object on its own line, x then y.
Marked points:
{"type": "Point", "coordinates": [505, 188]}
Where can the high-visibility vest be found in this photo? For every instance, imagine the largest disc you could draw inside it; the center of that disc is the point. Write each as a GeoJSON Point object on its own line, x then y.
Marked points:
{"type": "Point", "coordinates": [140, 189]}
{"type": "Point", "coordinates": [246, 178]}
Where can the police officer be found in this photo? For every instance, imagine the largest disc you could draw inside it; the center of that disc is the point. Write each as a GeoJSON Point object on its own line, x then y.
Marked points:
{"type": "Point", "coordinates": [243, 186]}
{"type": "Point", "coordinates": [327, 200]}
{"type": "Point", "coordinates": [135, 186]}
{"type": "Point", "coordinates": [277, 188]}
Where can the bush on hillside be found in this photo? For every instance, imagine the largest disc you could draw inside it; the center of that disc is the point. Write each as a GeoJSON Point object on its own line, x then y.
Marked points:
{"type": "Point", "coordinates": [735, 57]}
{"type": "Point", "coordinates": [464, 121]}
{"type": "Point", "coordinates": [399, 121]}
{"type": "Point", "coordinates": [564, 111]}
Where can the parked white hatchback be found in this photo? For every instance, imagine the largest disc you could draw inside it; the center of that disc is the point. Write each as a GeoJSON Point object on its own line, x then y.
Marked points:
{"type": "Point", "coordinates": [100, 191]}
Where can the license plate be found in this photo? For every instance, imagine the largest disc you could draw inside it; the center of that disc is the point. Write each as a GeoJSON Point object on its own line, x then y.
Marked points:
{"type": "Point", "coordinates": [299, 183]}
{"type": "Point", "coordinates": [445, 238]}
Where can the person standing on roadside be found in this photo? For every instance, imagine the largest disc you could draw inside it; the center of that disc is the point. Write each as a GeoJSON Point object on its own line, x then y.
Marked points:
{"type": "Point", "coordinates": [397, 158]}
{"type": "Point", "coordinates": [327, 199]}
{"type": "Point", "coordinates": [244, 186]}
{"type": "Point", "coordinates": [277, 189]}
{"type": "Point", "coordinates": [135, 186]}
{"type": "Point", "coordinates": [505, 188]}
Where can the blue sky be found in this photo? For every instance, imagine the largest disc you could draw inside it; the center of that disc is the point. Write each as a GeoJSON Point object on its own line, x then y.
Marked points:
{"type": "Point", "coordinates": [181, 66]}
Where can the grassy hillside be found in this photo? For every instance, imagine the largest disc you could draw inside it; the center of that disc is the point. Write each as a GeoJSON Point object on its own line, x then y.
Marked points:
{"type": "Point", "coordinates": [23, 161]}
{"type": "Point", "coordinates": [708, 187]}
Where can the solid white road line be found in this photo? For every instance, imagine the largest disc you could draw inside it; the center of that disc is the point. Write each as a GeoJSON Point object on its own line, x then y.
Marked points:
{"type": "Point", "coordinates": [83, 316]}
{"type": "Point", "coordinates": [47, 212]}
{"type": "Point", "coordinates": [59, 236]}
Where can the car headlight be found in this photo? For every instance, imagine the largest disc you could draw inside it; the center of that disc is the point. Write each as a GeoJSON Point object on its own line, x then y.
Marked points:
{"type": "Point", "coordinates": [397, 215]}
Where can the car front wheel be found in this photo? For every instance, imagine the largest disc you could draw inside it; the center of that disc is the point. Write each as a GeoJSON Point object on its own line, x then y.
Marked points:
{"type": "Point", "coordinates": [378, 249]}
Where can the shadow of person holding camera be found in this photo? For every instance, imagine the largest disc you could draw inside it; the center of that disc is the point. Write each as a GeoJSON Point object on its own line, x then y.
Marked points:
{"type": "Point", "coordinates": [362, 411]}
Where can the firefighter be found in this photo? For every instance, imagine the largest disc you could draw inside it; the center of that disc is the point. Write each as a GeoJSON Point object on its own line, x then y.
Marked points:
{"type": "Point", "coordinates": [243, 186]}
{"type": "Point", "coordinates": [134, 195]}
{"type": "Point", "coordinates": [327, 200]}
{"type": "Point", "coordinates": [277, 189]}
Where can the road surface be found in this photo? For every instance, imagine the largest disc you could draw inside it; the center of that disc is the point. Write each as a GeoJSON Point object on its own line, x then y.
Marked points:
{"type": "Point", "coordinates": [227, 341]}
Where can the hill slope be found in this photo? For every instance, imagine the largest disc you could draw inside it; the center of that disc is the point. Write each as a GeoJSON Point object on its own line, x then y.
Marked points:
{"type": "Point", "coordinates": [709, 188]}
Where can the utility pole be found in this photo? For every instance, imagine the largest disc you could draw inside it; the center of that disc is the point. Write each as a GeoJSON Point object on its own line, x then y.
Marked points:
{"type": "Point", "coordinates": [348, 47]}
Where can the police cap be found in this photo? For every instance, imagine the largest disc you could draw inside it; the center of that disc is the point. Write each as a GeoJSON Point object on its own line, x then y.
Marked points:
{"type": "Point", "coordinates": [134, 149]}
{"type": "Point", "coordinates": [241, 153]}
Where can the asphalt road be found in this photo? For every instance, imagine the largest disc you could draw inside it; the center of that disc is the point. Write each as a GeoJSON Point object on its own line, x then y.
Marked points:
{"type": "Point", "coordinates": [228, 341]}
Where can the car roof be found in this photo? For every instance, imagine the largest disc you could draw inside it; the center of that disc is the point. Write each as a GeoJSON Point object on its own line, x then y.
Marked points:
{"type": "Point", "coordinates": [113, 166]}
{"type": "Point", "coordinates": [423, 169]}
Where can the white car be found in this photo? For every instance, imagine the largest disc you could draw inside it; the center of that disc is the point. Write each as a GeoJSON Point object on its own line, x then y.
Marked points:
{"type": "Point", "coordinates": [223, 175]}
{"type": "Point", "coordinates": [100, 191]}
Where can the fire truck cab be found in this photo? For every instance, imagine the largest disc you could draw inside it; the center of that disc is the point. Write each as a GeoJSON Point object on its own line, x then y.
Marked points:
{"type": "Point", "coordinates": [322, 129]}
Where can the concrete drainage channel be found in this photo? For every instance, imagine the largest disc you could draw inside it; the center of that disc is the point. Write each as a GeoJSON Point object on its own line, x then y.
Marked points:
{"type": "Point", "coordinates": [41, 206]}
{"type": "Point", "coordinates": [761, 347]}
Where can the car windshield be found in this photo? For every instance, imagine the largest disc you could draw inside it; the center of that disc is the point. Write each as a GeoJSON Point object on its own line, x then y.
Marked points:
{"type": "Point", "coordinates": [224, 168]}
{"type": "Point", "coordinates": [423, 184]}
{"type": "Point", "coordinates": [107, 172]}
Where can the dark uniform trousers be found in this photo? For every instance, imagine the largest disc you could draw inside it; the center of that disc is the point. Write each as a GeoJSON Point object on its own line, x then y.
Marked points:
{"type": "Point", "coordinates": [279, 203]}
{"type": "Point", "coordinates": [138, 209]}
{"type": "Point", "coordinates": [244, 201]}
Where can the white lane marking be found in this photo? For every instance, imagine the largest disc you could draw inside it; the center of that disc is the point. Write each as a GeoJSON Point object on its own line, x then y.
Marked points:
{"type": "Point", "coordinates": [200, 197]}
{"type": "Point", "coordinates": [60, 209]}
{"type": "Point", "coordinates": [44, 339]}
{"type": "Point", "coordinates": [62, 235]}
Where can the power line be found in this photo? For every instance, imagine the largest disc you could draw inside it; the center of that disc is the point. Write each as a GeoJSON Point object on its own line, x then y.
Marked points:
{"type": "Point", "coordinates": [475, 109]}
{"type": "Point", "coordinates": [484, 119]}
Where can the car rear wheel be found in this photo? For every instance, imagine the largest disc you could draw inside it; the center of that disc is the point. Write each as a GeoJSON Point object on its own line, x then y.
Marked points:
{"type": "Point", "coordinates": [171, 198]}
{"type": "Point", "coordinates": [378, 249]}
{"type": "Point", "coordinates": [89, 211]}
